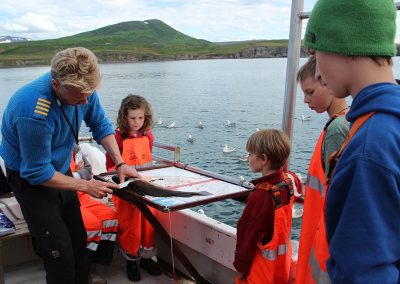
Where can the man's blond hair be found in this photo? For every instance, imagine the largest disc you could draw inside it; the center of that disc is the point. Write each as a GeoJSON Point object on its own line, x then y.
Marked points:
{"type": "Point", "coordinates": [76, 67]}
{"type": "Point", "coordinates": [272, 142]}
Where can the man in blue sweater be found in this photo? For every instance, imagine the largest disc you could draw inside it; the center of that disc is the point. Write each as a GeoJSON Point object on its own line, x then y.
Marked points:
{"type": "Point", "coordinates": [39, 129]}
{"type": "Point", "coordinates": [353, 42]}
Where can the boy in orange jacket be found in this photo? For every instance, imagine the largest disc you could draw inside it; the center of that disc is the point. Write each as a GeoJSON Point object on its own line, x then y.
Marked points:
{"type": "Point", "coordinates": [263, 249]}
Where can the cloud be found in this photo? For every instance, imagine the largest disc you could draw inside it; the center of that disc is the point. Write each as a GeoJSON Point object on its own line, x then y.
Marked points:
{"type": "Point", "coordinates": [113, 2]}
{"type": "Point", "coordinates": [222, 20]}
{"type": "Point", "coordinates": [31, 23]}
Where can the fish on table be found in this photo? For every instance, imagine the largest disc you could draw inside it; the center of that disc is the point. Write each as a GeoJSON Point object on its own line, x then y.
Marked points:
{"type": "Point", "coordinates": [143, 187]}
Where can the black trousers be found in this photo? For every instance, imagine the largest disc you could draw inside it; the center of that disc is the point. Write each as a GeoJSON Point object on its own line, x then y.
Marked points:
{"type": "Point", "coordinates": [58, 234]}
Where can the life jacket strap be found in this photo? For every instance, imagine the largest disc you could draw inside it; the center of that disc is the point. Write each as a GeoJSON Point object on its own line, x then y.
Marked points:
{"type": "Point", "coordinates": [335, 156]}
{"type": "Point", "coordinates": [276, 189]}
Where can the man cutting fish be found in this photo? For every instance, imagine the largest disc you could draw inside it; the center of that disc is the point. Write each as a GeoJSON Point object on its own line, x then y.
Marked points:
{"type": "Point", "coordinates": [39, 129]}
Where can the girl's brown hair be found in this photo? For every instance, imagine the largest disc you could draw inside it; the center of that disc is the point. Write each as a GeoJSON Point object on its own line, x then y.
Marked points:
{"type": "Point", "coordinates": [132, 102]}
{"type": "Point", "coordinates": [272, 142]}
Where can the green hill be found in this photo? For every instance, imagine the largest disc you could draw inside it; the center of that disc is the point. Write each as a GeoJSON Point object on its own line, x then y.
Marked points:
{"type": "Point", "coordinates": [136, 41]}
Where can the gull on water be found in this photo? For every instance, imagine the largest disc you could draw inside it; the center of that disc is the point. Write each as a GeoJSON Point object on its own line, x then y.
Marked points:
{"type": "Point", "coordinates": [172, 125]}
{"type": "Point", "coordinates": [190, 138]}
{"type": "Point", "coordinates": [200, 125]}
{"type": "Point", "coordinates": [228, 149]}
{"type": "Point", "coordinates": [230, 124]}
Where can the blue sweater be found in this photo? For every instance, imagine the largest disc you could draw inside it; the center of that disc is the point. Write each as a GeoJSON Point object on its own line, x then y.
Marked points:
{"type": "Point", "coordinates": [363, 201]}
{"type": "Point", "coordinates": [36, 139]}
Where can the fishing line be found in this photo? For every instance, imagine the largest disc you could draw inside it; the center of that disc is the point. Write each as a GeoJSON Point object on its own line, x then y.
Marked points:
{"type": "Point", "coordinates": [171, 246]}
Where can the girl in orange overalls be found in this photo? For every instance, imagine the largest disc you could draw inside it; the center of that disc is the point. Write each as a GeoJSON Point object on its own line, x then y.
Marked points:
{"type": "Point", "coordinates": [135, 141]}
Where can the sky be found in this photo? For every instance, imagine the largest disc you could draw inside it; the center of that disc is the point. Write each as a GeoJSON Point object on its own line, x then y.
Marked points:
{"type": "Point", "coordinates": [212, 20]}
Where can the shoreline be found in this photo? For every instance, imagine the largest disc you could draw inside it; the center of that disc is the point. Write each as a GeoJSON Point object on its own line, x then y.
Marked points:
{"type": "Point", "coordinates": [248, 53]}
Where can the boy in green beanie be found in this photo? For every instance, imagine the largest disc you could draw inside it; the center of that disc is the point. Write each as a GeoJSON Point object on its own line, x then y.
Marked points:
{"type": "Point", "coordinates": [353, 42]}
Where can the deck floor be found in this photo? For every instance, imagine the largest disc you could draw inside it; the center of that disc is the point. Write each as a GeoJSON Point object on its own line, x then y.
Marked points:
{"type": "Point", "coordinates": [33, 273]}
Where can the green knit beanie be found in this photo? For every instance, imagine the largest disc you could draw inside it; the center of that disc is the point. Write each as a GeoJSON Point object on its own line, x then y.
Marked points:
{"type": "Point", "coordinates": [353, 27]}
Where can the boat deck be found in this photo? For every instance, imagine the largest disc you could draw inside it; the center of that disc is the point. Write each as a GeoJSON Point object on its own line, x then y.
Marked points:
{"type": "Point", "coordinates": [32, 272]}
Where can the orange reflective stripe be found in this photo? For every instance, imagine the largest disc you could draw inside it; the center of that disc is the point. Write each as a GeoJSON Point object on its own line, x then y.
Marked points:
{"type": "Point", "coordinates": [272, 254]}
{"type": "Point", "coordinates": [318, 275]}
{"type": "Point", "coordinates": [316, 174]}
{"type": "Point", "coordinates": [314, 183]}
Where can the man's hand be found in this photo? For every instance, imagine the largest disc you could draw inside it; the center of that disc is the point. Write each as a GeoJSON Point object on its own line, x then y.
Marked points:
{"type": "Point", "coordinates": [127, 171]}
{"type": "Point", "coordinates": [99, 189]}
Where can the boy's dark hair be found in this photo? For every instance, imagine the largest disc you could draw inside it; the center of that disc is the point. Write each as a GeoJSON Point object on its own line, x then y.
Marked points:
{"type": "Point", "coordinates": [307, 70]}
{"type": "Point", "coordinates": [272, 142]}
{"type": "Point", "coordinates": [132, 102]}
{"type": "Point", "coordinates": [381, 60]}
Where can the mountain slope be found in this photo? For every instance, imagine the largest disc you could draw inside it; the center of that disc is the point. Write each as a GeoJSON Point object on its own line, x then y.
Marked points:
{"type": "Point", "coordinates": [133, 41]}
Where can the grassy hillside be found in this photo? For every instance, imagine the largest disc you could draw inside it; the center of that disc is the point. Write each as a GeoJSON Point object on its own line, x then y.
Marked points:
{"type": "Point", "coordinates": [128, 41]}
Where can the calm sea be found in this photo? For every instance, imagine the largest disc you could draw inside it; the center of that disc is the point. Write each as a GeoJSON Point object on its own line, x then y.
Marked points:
{"type": "Point", "coordinates": [248, 92]}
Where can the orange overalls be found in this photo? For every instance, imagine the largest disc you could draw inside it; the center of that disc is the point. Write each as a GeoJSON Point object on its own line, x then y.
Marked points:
{"type": "Point", "coordinates": [272, 261]}
{"type": "Point", "coordinates": [314, 247]}
{"type": "Point", "coordinates": [134, 230]}
{"type": "Point", "coordinates": [101, 226]}
{"type": "Point", "coordinates": [312, 211]}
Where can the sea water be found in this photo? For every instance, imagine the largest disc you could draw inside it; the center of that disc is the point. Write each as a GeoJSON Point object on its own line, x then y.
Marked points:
{"type": "Point", "coordinates": [247, 92]}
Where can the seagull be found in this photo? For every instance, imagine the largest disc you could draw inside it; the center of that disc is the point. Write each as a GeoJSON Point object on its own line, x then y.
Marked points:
{"type": "Point", "coordinates": [190, 138]}
{"type": "Point", "coordinates": [228, 149]}
{"type": "Point", "coordinates": [230, 124]}
{"type": "Point", "coordinates": [172, 125]}
{"type": "Point", "coordinates": [200, 125]}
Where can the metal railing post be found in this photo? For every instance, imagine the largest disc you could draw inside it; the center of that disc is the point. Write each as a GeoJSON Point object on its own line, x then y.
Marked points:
{"type": "Point", "coordinates": [292, 66]}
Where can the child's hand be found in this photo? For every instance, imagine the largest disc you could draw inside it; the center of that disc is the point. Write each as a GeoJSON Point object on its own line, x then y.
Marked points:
{"type": "Point", "coordinates": [80, 165]}
{"type": "Point", "coordinates": [240, 275]}
{"type": "Point", "coordinates": [125, 171]}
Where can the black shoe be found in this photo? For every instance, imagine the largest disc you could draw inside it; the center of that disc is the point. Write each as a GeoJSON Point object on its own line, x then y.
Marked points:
{"type": "Point", "coordinates": [150, 266]}
{"type": "Point", "coordinates": [132, 270]}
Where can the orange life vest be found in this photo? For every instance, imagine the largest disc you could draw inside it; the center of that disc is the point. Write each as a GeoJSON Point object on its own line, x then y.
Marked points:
{"type": "Point", "coordinates": [136, 151]}
{"type": "Point", "coordinates": [272, 261]}
{"type": "Point", "coordinates": [312, 209]}
{"type": "Point", "coordinates": [318, 251]}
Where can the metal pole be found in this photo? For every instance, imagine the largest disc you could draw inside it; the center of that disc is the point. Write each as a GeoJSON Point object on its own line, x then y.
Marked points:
{"type": "Point", "coordinates": [292, 66]}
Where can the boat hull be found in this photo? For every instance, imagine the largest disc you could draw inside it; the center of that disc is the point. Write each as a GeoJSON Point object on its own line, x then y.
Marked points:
{"type": "Point", "coordinates": [208, 244]}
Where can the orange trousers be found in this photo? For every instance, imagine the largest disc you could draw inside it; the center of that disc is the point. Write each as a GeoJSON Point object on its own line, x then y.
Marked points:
{"type": "Point", "coordinates": [101, 225]}
{"type": "Point", "coordinates": [134, 230]}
